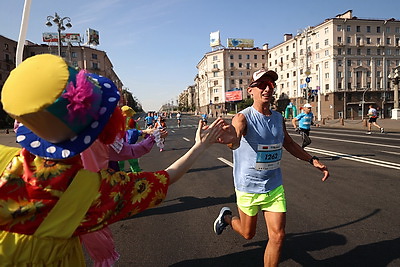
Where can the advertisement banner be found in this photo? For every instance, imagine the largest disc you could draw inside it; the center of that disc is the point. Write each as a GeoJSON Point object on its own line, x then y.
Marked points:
{"type": "Point", "coordinates": [65, 37]}
{"type": "Point", "coordinates": [214, 39]}
{"type": "Point", "coordinates": [232, 96]}
{"type": "Point", "coordinates": [236, 42]}
{"type": "Point", "coordinates": [92, 37]}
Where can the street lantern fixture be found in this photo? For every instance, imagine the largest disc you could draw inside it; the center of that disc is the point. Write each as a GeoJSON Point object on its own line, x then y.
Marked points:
{"type": "Point", "coordinates": [57, 20]}
{"type": "Point", "coordinates": [394, 77]}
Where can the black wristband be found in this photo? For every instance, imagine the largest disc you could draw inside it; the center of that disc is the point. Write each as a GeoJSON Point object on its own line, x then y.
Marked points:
{"type": "Point", "coordinates": [312, 160]}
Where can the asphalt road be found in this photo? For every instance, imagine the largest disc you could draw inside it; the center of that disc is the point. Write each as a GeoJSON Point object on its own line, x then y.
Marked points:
{"type": "Point", "coordinates": [352, 219]}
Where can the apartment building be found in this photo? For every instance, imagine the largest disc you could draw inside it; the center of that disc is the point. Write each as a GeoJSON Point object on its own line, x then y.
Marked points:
{"type": "Point", "coordinates": [83, 57]}
{"type": "Point", "coordinates": [340, 66]}
{"type": "Point", "coordinates": [223, 70]}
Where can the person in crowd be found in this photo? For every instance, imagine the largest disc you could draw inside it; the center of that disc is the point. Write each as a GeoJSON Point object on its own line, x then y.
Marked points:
{"type": "Point", "coordinates": [373, 116]}
{"type": "Point", "coordinates": [161, 125]}
{"type": "Point", "coordinates": [179, 118]}
{"type": "Point", "coordinates": [204, 118]}
{"type": "Point", "coordinates": [149, 119]}
{"type": "Point", "coordinates": [47, 198]}
{"type": "Point", "coordinates": [256, 136]}
{"type": "Point", "coordinates": [305, 120]}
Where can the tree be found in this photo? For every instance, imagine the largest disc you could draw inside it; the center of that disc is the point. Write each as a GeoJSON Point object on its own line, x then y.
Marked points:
{"type": "Point", "coordinates": [129, 100]}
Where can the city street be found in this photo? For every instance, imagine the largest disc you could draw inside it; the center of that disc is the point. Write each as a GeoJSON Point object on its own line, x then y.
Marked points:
{"type": "Point", "coordinates": [349, 220]}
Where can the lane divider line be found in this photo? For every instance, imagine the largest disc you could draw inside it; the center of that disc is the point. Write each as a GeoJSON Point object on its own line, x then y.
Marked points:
{"type": "Point", "coordinates": [227, 162]}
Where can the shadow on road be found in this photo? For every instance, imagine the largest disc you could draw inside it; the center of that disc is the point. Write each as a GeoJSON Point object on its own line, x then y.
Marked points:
{"type": "Point", "coordinates": [298, 248]}
{"type": "Point", "coordinates": [185, 203]}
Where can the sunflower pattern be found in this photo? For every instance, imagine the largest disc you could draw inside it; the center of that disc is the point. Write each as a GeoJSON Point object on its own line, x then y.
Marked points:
{"type": "Point", "coordinates": [31, 186]}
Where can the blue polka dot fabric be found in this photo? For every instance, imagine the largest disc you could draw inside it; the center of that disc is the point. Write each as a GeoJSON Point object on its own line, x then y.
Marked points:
{"type": "Point", "coordinates": [70, 148]}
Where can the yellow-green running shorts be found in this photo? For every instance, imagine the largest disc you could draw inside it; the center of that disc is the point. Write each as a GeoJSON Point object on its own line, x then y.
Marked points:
{"type": "Point", "coordinates": [251, 203]}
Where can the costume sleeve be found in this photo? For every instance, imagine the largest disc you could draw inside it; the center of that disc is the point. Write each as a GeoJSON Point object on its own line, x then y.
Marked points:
{"type": "Point", "coordinates": [122, 195]}
{"type": "Point", "coordinates": [133, 151]}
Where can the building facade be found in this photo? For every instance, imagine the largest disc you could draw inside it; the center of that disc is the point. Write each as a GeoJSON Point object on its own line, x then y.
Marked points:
{"type": "Point", "coordinates": [223, 70]}
{"type": "Point", "coordinates": [340, 66]}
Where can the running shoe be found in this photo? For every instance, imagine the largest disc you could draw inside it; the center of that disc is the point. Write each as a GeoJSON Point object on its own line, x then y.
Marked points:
{"type": "Point", "coordinates": [220, 224]}
{"type": "Point", "coordinates": [382, 130]}
{"type": "Point", "coordinates": [368, 133]}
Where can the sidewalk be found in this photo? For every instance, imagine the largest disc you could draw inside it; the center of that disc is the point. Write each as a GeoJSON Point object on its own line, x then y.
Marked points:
{"type": "Point", "coordinates": [388, 124]}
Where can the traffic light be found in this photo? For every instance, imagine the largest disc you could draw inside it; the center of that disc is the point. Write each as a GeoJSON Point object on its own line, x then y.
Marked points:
{"type": "Point", "coordinates": [305, 93]}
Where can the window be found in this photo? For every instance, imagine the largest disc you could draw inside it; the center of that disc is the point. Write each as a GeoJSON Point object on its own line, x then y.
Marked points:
{"type": "Point", "coordinates": [240, 65]}
{"type": "Point", "coordinates": [255, 65]}
{"type": "Point", "coordinates": [348, 39]}
{"type": "Point", "coordinates": [339, 51]}
{"type": "Point", "coordinates": [326, 52]}
{"type": "Point", "coordinates": [340, 62]}
{"type": "Point", "coordinates": [216, 99]}
{"type": "Point", "coordinates": [349, 62]}
{"type": "Point", "coordinates": [338, 28]}
{"type": "Point", "coordinates": [327, 75]}
{"type": "Point", "coordinates": [248, 66]}
{"type": "Point", "coordinates": [358, 28]}
{"type": "Point", "coordinates": [378, 29]}
{"type": "Point", "coordinates": [378, 62]}
{"type": "Point", "coordinates": [74, 55]}
{"type": "Point", "coordinates": [339, 39]}
{"type": "Point", "coordinates": [240, 81]}
{"type": "Point", "coordinates": [317, 56]}
{"type": "Point", "coordinates": [231, 56]}
{"type": "Point", "coordinates": [287, 75]}
{"type": "Point", "coordinates": [348, 85]}
{"type": "Point", "coordinates": [359, 62]}
{"type": "Point", "coordinates": [215, 58]}
{"type": "Point", "coordinates": [215, 90]}
{"type": "Point", "coordinates": [326, 41]}
{"type": "Point", "coordinates": [5, 46]}
{"type": "Point", "coordinates": [94, 56]}
{"type": "Point", "coordinates": [368, 74]}
{"type": "Point", "coordinates": [368, 62]}
{"type": "Point", "coordinates": [368, 51]}
{"type": "Point", "coordinates": [387, 29]}
{"type": "Point", "coordinates": [326, 65]}
{"type": "Point", "coordinates": [317, 46]}
{"type": "Point", "coordinates": [240, 56]}
{"type": "Point", "coordinates": [368, 40]}
{"type": "Point", "coordinates": [215, 66]}
{"type": "Point", "coordinates": [339, 85]}
{"type": "Point", "coordinates": [378, 40]}
{"type": "Point", "coordinates": [232, 65]}
{"type": "Point", "coordinates": [339, 74]}
{"type": "Point", "coordinates": [378, 73]}
{"type": "Point", "coordinates": [215, 74]}
{"type": "Point", "coordinates": [232, 73]}
{"type": "Point", "coordinates": [348, 28]}
{"type": "Point", "coordinates": [358, 41]}
{"type": "Point", "coordinates": [262, 57]}
{"type": "Point", "coordinates": [348, 51]}
{"type": "Point", "coordinates": [378, 51]}
{"type": "Point", "coordinates": [397, 29]}
{"type": "Point", "coordinates": [95, 65]}
{"type": "Point", "coordinates": [368, 28]}
{"type": "Point", "coordinates": [388, 52]}
{"type": "Point", "coordinates": [255, 56]}
{"type": "Point", "coordinates": [388, 41]}
{"type": "Point", "coordinates": [358, 52]}
{"type": "Point", "coordinates": [232, 81]}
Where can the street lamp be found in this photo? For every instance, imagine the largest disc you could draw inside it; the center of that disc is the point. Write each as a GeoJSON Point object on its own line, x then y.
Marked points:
{"type": "Point", "coordinates": [362, 103]}
{"type": "Point", "coordinates": [57, 20]}
{"type": "Point", "coordinates": [394, 77]}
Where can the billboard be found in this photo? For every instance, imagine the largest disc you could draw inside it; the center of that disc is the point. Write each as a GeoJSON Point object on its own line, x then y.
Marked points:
{"type": "Point", "coordinates": [92, 37]}
{"type": "Point", "coordinates": [236, 42]}
{"type": "Point", "coordinates": [65, 37]}
{"type": "Point", "coordinates": [214, 39]}
{"type": "Point", "coordinates": [234, 95]}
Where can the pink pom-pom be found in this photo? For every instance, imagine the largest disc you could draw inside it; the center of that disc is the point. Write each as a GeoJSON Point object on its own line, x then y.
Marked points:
{"type": "Point", "coordinates": [80, 97]}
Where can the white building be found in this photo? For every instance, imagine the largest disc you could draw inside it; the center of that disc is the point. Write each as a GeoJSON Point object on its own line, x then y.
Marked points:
{"type": "Point", "coordinates": [346, 60]}
{"type": "Point", "coordinates": [224, 70]}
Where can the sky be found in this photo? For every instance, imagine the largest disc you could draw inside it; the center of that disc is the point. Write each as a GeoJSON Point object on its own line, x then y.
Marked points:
{"type": "Point", "coordinates": [155, 45]}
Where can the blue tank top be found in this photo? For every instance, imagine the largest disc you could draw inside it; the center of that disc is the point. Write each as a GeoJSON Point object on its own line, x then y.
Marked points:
{"type": "Point", "coordinates": [257, 160]}
{"type": "Point", "coordinates": [305, 120]}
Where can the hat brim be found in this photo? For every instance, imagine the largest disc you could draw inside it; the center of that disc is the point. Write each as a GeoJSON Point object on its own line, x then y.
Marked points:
{"type": "Point", "coordinates": [74, 146]}
{"type": "Point", "coordinates": [271, 74]}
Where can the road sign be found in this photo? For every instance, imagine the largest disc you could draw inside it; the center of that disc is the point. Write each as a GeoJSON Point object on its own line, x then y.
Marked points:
{"type": "Point", "coordinates": [308, 79]}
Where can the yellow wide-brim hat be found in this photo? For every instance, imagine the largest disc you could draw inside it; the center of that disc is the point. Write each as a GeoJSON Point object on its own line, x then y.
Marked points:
{"type": "Point", "coordinates": [61, 110]}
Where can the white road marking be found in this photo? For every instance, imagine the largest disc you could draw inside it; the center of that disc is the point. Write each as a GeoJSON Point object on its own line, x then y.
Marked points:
{"type": "Point", "coordinates": [227, 162]}
{"type": "Point", "coordinates": [385, 164]}
{"type": "Point", "coordinates": [355, 142]}
{"type": "Point", "coordinates": [391, 152]}
{"type": "Point", "coordinates": [186, 139]}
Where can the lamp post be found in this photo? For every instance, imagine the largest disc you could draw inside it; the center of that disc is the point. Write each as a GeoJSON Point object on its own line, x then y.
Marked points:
{"type": "Point", "coordinates": [362, 103]}
{"type": "Point", "coordinates": [57, 20]}
{"type": "Point", "coordinates": [394, 77]}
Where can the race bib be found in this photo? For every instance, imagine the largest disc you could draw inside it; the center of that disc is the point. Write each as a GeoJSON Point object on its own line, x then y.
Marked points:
{"type": "Point", "coordinates": [268, 157]}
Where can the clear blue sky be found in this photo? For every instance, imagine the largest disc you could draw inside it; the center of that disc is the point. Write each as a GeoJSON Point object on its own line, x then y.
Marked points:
{"type": "Point", "coordinates": [155, 45]}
